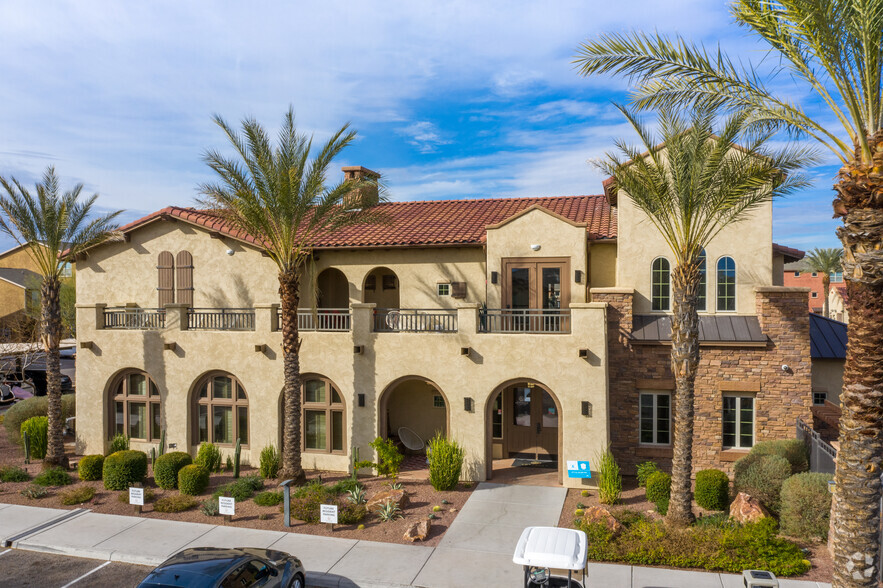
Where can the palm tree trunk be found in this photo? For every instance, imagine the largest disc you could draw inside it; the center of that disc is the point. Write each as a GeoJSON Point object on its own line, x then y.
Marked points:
{"type": "Point", "coordinates": [826, 289]}
{"type": "Point", "coordinates": [50, 318]}
{"type": "Point", "coordinates": [856, 511]}
{"type": "Point", "coordinates": [684, 362]}
{"type": "Point", "coordinates": [292, 468]}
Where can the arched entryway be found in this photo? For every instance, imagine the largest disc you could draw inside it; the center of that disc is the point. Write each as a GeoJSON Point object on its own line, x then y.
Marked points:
{"type": "Point", "coordinates": [415, 403]}
{"type": "Point", "coordinates": [523, 427]}
{"type": "Point", "coordinates": [332, 289]}
{"type": "Point", "coordinates": [382, 288]}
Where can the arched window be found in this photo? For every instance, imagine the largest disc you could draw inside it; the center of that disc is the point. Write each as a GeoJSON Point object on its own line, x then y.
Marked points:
{"type": "Point", "coordinates": [661, 281]}
{"type": "Point", "coordinates": [135, 407]}
{"type": "Point", "coordinates": [726, 284]}
{"type": "Point", "coordinates": [220, 410]}
{"type": "Point", "coordinates": [702, 300]}
{"type": "Point", "coordinates": [323, 417]}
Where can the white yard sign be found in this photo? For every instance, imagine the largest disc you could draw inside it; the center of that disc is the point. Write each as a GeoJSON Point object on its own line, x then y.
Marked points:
{"type": "Point", "coordinates": [328, 513]}
{"type": "Point", "coordinates": [136, 496]}
{"type": "Point", "coordinates": [227, 505]}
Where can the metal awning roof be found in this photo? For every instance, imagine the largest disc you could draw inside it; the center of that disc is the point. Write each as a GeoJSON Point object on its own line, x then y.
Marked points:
{"type": "Point", "coordinates": [722, 329]}
{"type": "Point", "coordinates": [827, 338]}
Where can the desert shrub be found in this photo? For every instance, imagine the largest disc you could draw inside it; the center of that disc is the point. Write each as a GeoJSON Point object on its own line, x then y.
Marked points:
{"type": "Point", "coordinates": [241, 489]}
{"type": "Point", "coordinates": [723, 547]}
{"type": "Point", "coordinates": [659, 490]}
{"type": "Point", "coordinates": [718, 520]}
{"type": "Point", "coordinates": [794, 450]}
{"type": "Point", "coordinates": [21, 411]}
{"type": "Point", "coordinates": [124, 468]}
{"type": "Point", "coordinates": [209, 457]}
{"type": "Point", "coordinates": [761, 476]}
{"type": "Point", "coordinates": [192, 479]}
{"type": "Point", "coordinates": [609, 478]}
{"type": "Point", "coordinates": [53, 477]}
{"type": "Point", "coordinates": [389, 459]}
{"type": "Point", "coordinates": [306, 500]}
{"type": "Point", "coordinates": [37, 429]}
{"type": "Point", "coordinates": [712, 489]}
{"type": "Point", "coordinates": [167, 466]}
{"type": "Point", "coordinates": [77, 495]}
{"type": "Point", "coordinates": [644, 471]}
{"type": "Point", "coordinates": [445, 463]}
{"type": "Point", "coordinates": [119, 442]}
{"type": "Point", "coordinates": [210, 507]}
{"type": "Point", "coordinates": [345, 486]}
{"type": "Point", "coordinates": [175, 503]}
{"type": "Point", "coordinates": [349, 513]}
{"type": "Point", "coordinates": [90, 467]}
{"type": "Point", "coordinates": [34, 492]}
{"type": "Point", "coordinates": [269, 498]}
{"type": "Point", "coordinates": [806, 505]}
{"type": "Point", "coordinates": [13, 474]}
{"type": "Point", "coordinates": [270, 462]}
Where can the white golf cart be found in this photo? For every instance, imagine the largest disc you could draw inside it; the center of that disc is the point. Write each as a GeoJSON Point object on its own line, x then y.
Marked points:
{"type": "Point", "coordinates": [543, 549]}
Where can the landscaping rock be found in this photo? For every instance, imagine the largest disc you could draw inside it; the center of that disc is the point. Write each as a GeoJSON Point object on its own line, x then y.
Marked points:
{"type": "Point", "coordinates": [597, 514]}
{"type": "Point", "coordinates": [746, 509]}
{"type": "Point", "coordinates": [418, 531]}
{"type": "Point", "coordinates": [400, 497]}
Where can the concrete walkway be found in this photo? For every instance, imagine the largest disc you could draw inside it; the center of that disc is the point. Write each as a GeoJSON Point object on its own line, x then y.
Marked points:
{"type": "Point", "coordinates": [476, 550]}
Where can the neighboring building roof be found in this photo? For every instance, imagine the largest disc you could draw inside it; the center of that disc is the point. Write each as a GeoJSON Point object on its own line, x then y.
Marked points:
{"type": "Point", "coordinates": [841, 289]}
{"type": "Point", "coordinates": [712, 329]}
{"type": "Point", "coordinates": [827, 338]}
{"type": "Point", "coordinates": [426, 223]}
{"type": "Point", "coordinates": [791, 255]}
{"type": "Point", "coordinates": [23, 278]}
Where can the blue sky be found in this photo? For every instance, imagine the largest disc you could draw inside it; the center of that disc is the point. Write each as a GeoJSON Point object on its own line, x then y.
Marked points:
{"type": "Point", "coordinates": [450, 99]}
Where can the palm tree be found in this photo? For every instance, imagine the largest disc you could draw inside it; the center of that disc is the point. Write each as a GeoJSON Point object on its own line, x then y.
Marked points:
{"type": "Point", "coordinates": [833, 51]}
{"type": "Point", "coordinates": [825, 262]}
{"type": "Point", "coordinates": [282, 199]}
{"type": "Point", "coordinates": [46, 223]}
{"type": "Point", "coordinates": [692, 184]}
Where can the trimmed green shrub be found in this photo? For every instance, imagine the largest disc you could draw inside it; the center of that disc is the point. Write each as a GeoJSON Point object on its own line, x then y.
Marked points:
{"type": "Point", "coordinates": [761, 476]}
{"type": "Point", "coordinates": [37, 429]}
{"type": "Point", "coordinates": [345, 485]}
{"type": "Point", "coordinates": [658, 487]}
{"type": "Point", "coordinates": [794, 450]}
{"type": "Point", "coordinates": [349, 513]}
{"type": "Point", "coordinates": [192, 479]}
{"type": "Point", "coordinates": [175, 503]}
{"type": "Point", "coordinates": [269, 498]}
{"type": "Point", "coordinates": [241, 489]}
{"type": "Point", "coordinates": [712, 489]}
{"type": "Point", "coordinates": [90, 467]}
{"type": "Point", "coordinates": [388, 456]}
{"type": "Point", "coordinates": [31, 407]}
{"type": "Point", "coordinates": [644, 471]}
{"type": "Point", "coordinates": [77, 495]}
{"type": "Point", "coordinates": [445, 463]}
{"type": "Point", "coordinates": [609, 478]}
{"type": "Point", "coordinates": [270, 462]}
{"type": "Point", "coordinates": [806, 505]}
{"type": "Point", "coordinates": [306, 500]}
{"type": "Point", "coordinates": [209, 457]}
{"type": "Point", "coordinates": [119, 442]}
{"type": "Point", "coordinates": [13, 474]}
{"type": "Point", "coordinates": [167, 466]}
{"type": "Point", "coordinates": [53, 477]}
{"type": "Point", "coordinates": [124, 468]}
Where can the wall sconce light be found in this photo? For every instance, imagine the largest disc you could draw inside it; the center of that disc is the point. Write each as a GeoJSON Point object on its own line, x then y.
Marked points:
{"type": "Point", "coordinates": [536, 247]}
{"type": "Point", "coordinates": [584, 353]}
{"type": "Point", "coordinates": [586, 408]}
{"type": "Point", "coordinates": [358, 349]}
{"type": "Point", "coordinates": [467, 404]}
{"type": "Point", "coordinates": [173, 446]}
{"type": "Point", "coordinates": [260, 348]}
{"type": "Point", "coordinates": [495, 277]}
{"type": "Point", "coordinates": [170, 346]}
{"type": "Point", "coordinates": [361, 400]}
{"type": "Point", "coordinates": [578, 276]}
{"type": "Point", "coordinates": [85, 344]}
{"type": "Point", "coordinates": [465, 350]}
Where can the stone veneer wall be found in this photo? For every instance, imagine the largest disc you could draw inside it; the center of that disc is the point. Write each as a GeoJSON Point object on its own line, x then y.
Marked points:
{"type": "Point", "coordinates": [781, 396]}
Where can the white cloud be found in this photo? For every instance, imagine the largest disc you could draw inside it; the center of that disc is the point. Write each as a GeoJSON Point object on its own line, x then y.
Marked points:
{"type": "Point", "coordinates": [424, 135]}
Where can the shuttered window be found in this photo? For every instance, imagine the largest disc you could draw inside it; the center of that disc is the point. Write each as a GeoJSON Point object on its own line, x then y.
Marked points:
{"type": "Point", "coordinates": [458, 289]}
{"type": "Point", "coordinates": [165, 267]}
{"type": "Point", "coordinates": [184, 277]}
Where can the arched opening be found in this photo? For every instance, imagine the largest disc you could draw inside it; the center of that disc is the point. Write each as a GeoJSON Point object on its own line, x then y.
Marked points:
{"type": "Point", "coordinates": [382, 288]}
{"type": "Point", "coordinates": [333, 289]}
{"type": "Point", "coordinates": [523, 433]}
{"type": "Point", "coordinates": [412, 407]}
{"type": "Point", "coordinates": [219, 407]}
{"type": "Point", "coordinates": [134, 406]}
{"type": "Point", "coordinates": [322, 416]}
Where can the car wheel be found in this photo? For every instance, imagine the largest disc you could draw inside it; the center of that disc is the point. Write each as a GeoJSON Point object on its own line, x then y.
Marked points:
{"type": "Point", "coordinates": [297, 582]}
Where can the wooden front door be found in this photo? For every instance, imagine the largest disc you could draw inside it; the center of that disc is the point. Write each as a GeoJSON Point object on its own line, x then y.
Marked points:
{"type": "Point", "coordinates": [532, 423]}
{"type": "Point", "coordinates": [536, 283]}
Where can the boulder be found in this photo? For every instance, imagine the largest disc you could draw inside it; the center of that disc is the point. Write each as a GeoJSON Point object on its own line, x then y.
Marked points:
{"type": "Point", "coordinates": [418, 531]}
{"type": "Point", "coordinates": [597, 514]}
{"type": "Point", "coordinates": [747, 509]}
{"type": "Point", "coordinates": [400, 497]}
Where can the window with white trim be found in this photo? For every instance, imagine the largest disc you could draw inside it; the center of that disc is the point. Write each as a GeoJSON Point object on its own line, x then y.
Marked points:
{"type": "Point", "coordinates": [661, 284]}
{"type": "Point", "coordinates": [796, 274]}
{"type": "Point", "coordinates": [836, 277]}
{"type": "Point", "coordinates": [738, 421]}
{"type": "Point", "coordinates": [655, 418]}
{"type": "Point", "coordinates": [815, 294]}
{"type": "Point", "coordinates": [726, 284]}
{"type": "Point", "coordinates": [443, 289]}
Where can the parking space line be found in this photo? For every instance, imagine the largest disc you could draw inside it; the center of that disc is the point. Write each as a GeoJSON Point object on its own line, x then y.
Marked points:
{"type": "Point", "coordinates": [4, 552]}
{"type": "Point", "coordinates": [90, 572]}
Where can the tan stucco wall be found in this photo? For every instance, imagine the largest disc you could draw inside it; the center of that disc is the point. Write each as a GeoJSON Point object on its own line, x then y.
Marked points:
{"type": "Point", "coordinates": [778, 270]}
{"type": "Point", "coordinates": [602, 265]}
{"type": "Point", "coordinates": [410, 404]}
{"type": "Point", "coordinates": [748, 242]}
{"type": "Point", "coordinates": [18, 258]}
{"type": "Point", "coordinates": [827, 376]}
{"type": "Point", "coordinates": [12, 299]}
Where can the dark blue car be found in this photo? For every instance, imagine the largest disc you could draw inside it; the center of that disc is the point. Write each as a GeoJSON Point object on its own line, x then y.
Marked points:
{"type": "Point", "coordinates": [212, 567]}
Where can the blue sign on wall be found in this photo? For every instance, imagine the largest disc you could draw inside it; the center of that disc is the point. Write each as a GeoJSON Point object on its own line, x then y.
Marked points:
{"type": "Point", "coordinates": [578, 469]}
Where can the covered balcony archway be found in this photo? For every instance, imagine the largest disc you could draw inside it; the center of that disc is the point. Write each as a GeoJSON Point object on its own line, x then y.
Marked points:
{"type": "Point", "coordinates": [332, 289]}
{"type": "Point", "coordinates": [416, 404]}
{"type": "Point", "coordinates": [381, 287]}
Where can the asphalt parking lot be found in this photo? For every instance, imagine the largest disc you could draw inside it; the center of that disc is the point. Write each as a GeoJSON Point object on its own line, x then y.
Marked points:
{"type": "Point", "coordinates": [31, 568]}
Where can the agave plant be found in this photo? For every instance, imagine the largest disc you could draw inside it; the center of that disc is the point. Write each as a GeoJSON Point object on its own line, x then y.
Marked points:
{"type": "Point", "coordinates": [357, 496]}
{"type": "Point", "coordinates": [389, 511]}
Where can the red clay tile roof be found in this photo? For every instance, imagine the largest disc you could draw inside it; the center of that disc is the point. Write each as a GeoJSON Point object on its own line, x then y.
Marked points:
{"type": "Point", "coordinates": [790, 253]}
{"type": "Point", "coordinates": [427, 223]}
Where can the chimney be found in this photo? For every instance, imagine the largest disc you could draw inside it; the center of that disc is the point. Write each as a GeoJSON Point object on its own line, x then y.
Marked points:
{"type": "Point", "coordinates": [364, 197]}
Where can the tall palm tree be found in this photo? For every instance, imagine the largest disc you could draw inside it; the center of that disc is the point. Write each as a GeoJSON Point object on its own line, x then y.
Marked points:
{"type": "Point", "coordinates": [833, 50]}
{"type": "Point", "coordinates": [692, 184]}
{"type": "Point", "coordinates": [825, 262]}
{"type": "Point", "coordinates": [281, 197]}
{"type": "Point", "coordinates": [48, 222]}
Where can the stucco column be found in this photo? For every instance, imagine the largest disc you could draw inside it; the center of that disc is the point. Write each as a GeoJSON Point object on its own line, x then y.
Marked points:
{"type": "Point", "coordinates": [90, 317]}
{"type": "Point", "coordinates": [176, 316]}
{"type": "Point", "coordinates": [467, 318]}
{"type": "Point", "coordinates": [266, 319]}
{"type": "Point", "coordinates": [362, 322]}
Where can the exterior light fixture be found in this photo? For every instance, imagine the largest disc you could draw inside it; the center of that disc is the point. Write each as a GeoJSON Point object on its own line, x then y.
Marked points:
{"type": "Point", "coordinates": [584, 353]}
{"type": "Point", "coordinates": [586, 408]}
{"type": "Point", "coordinates": [260, 348]}
{"type": "Point", "coordinates": [578, 276]}
{"type": "Point", "coordinates": [361, 399]}
{"type": "Point", "coordinates": [230, 252]}
{"type": "Point", "coordinates": [86, 344]}
{"type": "Point", "coordinates": [536, 247]}
{"type": "Point", "coordinates": [358, 349]}
{"type": "Point", "coordinates": [467, 404]}
{"type": "Point", "coordinates": [465, 350]}
{"type": "Point", "coordinates": [170, 346]}
{"type": "Point", "coordinates": [495, 277]}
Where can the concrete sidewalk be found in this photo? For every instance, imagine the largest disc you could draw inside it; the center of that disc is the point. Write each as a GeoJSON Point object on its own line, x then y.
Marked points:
{"type": "Point", "coordinates": [477, 549]}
